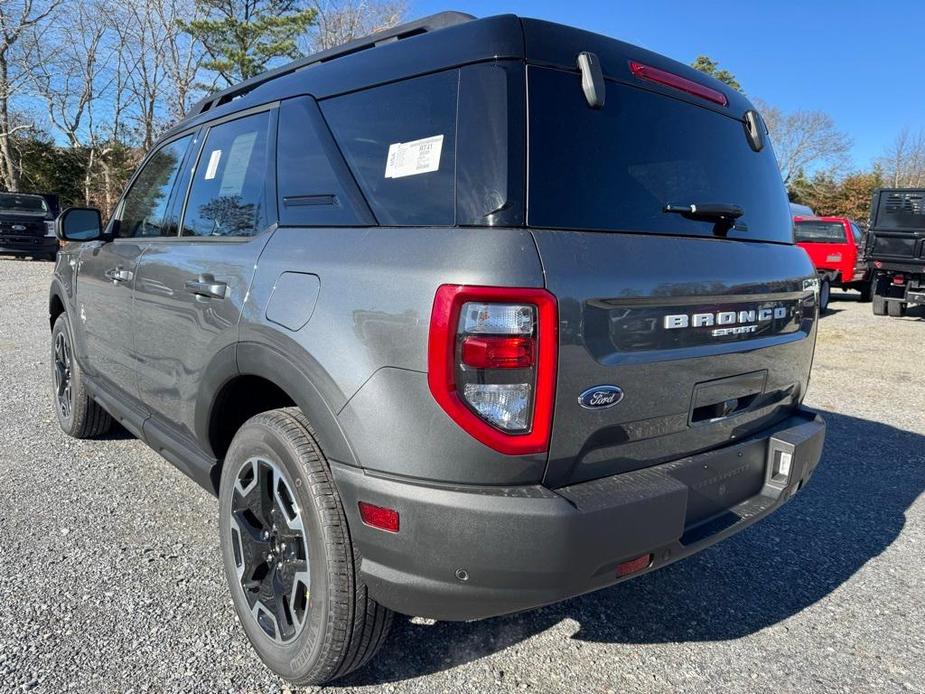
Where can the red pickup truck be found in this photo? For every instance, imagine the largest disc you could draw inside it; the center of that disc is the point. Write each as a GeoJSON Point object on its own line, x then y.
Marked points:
{"type": "Point", "coordinates": [834, 245]}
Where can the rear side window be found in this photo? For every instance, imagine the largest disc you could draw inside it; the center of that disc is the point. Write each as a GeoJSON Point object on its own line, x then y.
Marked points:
{"type": "Point", "coordinates": [616, 168]}
{"type": "Point", "coordinates": [400, 142]}
{"type": "Point", "coordinates": [145, 206]}
{"type": "Point", "coordinates": [228, 196]}
{"type": "Point", "coordinates": [819, 232]}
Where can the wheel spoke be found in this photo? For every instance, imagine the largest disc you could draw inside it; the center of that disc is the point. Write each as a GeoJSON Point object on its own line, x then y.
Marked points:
{"type": "Point", "coordinates": [270, 549]}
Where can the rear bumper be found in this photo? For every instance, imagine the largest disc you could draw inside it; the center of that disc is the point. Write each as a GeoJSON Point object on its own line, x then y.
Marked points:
{"type": "Point", "coordinates": [28, 245]}
{"type": "Point", "coordinates": [523, 547]}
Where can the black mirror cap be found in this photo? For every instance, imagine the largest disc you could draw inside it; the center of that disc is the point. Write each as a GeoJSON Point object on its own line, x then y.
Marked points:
{"type": "Point", "coordinates": [79, 224]}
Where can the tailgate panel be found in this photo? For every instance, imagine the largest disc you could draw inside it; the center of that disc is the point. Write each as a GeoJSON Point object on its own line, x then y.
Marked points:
{"type": "Point", "coordinates": [665, 319]}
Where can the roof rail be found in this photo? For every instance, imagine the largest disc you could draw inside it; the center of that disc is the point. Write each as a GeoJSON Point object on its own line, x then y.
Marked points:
{"type": "Point", "coordinates": [425, 25]}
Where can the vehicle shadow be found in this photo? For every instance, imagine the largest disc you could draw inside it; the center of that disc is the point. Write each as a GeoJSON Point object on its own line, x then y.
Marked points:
{"type": "Point", "coordinates": [850, 512]}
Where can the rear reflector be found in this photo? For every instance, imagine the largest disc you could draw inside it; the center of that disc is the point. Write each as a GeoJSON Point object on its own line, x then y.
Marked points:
{"type": "Point", "coordinates": [898, 279]}
{"type": "Point", "coordinates": [379, 517]}
{"type": "Point", "coordinates": [669, 79]}
{"type": "Point", "coordinates": [634, 565]}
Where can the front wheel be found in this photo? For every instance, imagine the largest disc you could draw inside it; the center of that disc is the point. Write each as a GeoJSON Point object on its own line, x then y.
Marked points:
{"type": "Point", "coordinates": [288, 556]}
{"type": "Point", "coordinates": [78, 414]}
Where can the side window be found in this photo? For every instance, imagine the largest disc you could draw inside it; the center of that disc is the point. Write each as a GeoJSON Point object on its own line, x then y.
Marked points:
{"type": "Point", "coordinates": [228, 195]}
{"type": "Point", "coordinates": [856, 233]}
{"type": "Point", "coordinates": [400, 143]}
{"type": "Point", "coordinates": [145, 206]}
{"type": "Point", "coordinates": [314, 186]}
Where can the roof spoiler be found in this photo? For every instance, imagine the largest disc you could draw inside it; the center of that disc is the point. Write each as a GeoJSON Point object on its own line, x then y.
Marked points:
{"type": "Point", "coordinates": [434, 22]}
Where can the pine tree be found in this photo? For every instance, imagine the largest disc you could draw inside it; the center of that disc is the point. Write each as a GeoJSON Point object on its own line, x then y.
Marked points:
{"type": "Point", "coordinates": [243, 36]}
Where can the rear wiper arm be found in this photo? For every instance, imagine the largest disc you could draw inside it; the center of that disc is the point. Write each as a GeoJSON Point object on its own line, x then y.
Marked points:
{"type": "Point", "coordinates": [723, 215]}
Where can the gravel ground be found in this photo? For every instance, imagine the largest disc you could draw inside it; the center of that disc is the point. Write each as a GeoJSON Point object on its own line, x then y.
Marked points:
{"type": "Point", "coordinates": [111, 574]}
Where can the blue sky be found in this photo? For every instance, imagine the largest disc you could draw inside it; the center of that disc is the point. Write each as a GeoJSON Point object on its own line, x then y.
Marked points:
{"type": "Point", "coordinates": [860, 61]}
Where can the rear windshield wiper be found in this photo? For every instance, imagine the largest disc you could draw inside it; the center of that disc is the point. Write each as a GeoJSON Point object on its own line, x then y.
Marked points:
{"type": "Point", "coordinates": [723, 215]}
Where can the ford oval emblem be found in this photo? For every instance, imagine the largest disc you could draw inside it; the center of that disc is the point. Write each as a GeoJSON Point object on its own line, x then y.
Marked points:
{"type": "Point", "coordinates": [18, 227]}
{"type": "Point", "coordinates": [600, 397]}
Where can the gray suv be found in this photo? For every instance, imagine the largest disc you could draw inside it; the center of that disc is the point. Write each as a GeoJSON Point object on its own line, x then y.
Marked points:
{"type": "Point", "coordinates": [458, 320]}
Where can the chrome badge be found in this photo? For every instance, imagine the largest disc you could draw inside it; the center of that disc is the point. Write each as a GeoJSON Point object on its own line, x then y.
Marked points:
{"type": "Point", "coordinates": [600, 397]}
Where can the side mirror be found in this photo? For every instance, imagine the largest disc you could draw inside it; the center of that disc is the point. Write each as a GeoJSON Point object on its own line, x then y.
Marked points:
{"type": "Point", "coordinates": [79, 224]}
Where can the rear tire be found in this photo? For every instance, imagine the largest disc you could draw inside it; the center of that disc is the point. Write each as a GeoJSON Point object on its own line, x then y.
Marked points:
{"type": "Point", "coordinates": [879, 305]}
{"type": "Point", "coordinates": [825, 291]}
{"type": "Point", "coordinates": [78, 414]}
{"type": "Point", "coordinates": [896, 309]}
{"type": "Point", "coordinates": [327, 625]}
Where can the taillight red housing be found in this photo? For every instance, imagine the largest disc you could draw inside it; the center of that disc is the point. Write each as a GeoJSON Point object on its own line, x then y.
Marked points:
{"type": "Point", "coordinates": [669, 79]}
{"type": "Point", "coordinates": [493, 367]}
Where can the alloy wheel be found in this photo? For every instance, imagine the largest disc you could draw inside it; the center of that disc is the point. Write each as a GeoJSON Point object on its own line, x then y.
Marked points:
{"type": "Point", "coordinates": [270, 549]}
{"type": "Point", "coordinates": [63, 391]}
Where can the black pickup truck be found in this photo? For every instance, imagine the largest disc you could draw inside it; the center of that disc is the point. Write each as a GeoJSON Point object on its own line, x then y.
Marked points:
{"type": "Point", "coordinates": [27, 224]}
{"type": "Point", "coordinates": [896, 249]}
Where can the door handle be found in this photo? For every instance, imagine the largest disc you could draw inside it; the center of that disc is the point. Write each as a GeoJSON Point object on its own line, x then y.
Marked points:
{"type": "Point", "coordinates": [207, 287]}
{"type": "Point", "coordinates": [118, 274]}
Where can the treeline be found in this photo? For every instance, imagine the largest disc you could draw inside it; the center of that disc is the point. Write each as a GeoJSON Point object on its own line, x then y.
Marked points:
{"type": "Point", "coordinates": [86, 86]}
{"type": "Point", "coordinates": [814, 160]}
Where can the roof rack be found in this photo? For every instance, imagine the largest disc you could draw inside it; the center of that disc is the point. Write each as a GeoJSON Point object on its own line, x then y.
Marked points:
{"type": "Point", "coordinates": [425, 25]}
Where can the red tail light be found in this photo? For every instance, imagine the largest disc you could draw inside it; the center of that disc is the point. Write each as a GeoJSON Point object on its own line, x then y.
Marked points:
{"type": "Point", "coordinates": [498, 352]}
{"type": "Point", "coordinates": [492, 358]}
{"type": "Point", "coordinates": [669, 79]}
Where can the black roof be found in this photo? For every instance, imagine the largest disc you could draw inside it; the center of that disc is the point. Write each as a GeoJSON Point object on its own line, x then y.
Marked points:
{"type": "Point", "coordinates": [439, 42]}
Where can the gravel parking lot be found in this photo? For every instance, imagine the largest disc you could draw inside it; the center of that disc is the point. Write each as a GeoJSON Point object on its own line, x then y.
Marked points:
{"type": "Point", "coordinates": [110, 573]}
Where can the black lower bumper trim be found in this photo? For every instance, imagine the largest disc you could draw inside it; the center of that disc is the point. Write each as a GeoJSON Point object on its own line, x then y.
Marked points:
{"type": "Point", "coordinates": [524, 547]}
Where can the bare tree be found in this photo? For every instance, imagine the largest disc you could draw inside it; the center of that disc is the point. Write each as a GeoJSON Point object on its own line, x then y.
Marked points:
{"type": "Point", "coordinates": [83, 82]}
{"type": "Point", "coordinates": [805, 139]}
{"type": "Point", "coordinates": [339, 21]}
{"type": "Point", "coordinates": [183, 55]}
{"type": "Point", "coordinates": [903, 161]}
{"type": "Point", "coordinates": [19, 21]}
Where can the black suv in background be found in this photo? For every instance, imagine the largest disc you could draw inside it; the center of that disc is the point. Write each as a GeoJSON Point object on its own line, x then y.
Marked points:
{"type": "Point", "coordinates": [441, 354]}
{"type": "Point", "coordinates": [27, 224]}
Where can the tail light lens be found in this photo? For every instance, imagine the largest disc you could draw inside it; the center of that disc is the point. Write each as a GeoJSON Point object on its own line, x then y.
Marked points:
{"type": "Point", "coordinates": [492, 363]}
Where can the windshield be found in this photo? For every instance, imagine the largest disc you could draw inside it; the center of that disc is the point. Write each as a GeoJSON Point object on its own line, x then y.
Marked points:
{"type": "Point", "coordinates": [616, 168]}
{"type": "Point", "coordinates": [23, 204]}
{"type": "Point", "coordinates": [819, 232]}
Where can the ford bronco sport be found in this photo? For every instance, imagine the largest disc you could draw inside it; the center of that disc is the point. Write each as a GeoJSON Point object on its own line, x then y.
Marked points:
{"type": "Point", "coordinates": [459, 320]}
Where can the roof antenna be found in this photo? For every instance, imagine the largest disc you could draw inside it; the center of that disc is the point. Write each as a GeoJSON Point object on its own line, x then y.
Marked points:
{"type": "Point", "coordinates": [592, 79]}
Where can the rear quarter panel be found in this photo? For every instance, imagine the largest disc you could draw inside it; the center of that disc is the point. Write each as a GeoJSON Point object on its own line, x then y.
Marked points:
{"type": "Point", "coordinates": [363, 353]}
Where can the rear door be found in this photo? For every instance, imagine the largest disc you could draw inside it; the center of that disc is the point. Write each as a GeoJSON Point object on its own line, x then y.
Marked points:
{"type": "Point", "coordinates": [708, 331]}
{"type": "Point", "coordinates": [107, 271]}
{"type": "Point", "coordinates": [189, 288]}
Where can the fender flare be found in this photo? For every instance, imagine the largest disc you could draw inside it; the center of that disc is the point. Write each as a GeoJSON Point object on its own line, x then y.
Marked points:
{"type": "Point", "coordinates": [286, 372]}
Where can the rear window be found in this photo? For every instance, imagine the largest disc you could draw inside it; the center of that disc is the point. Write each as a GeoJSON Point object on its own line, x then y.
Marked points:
{"type": "Point", "coordinates": [23, 204]}
{"type": "Point", "coordinates": [616, 168]}
{"type": "Point", "coordinates": [400, 142]}
{"type": "Point", "coordinates": [818, 232]}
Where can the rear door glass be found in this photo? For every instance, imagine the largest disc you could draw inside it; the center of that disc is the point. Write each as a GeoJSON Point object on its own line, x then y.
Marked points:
{"type": "Point", "coordinates": [616, 168]}
{"type": "Point", "coordinates": [400, 142]}
{"type": "Point", "coordinates": [819, 232]}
